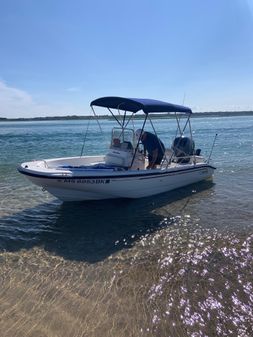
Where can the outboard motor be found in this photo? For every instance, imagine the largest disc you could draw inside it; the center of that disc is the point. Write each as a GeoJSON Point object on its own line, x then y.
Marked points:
{"type": "Point", "coordinates": [183, 147]}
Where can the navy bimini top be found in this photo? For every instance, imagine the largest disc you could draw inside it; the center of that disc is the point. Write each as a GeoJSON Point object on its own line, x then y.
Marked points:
{"type": "Point", "coordinates": [136, 104]}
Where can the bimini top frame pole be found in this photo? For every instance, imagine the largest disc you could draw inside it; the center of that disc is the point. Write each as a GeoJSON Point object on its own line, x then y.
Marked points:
{"type": "Point", "coordinates": [135, 105]}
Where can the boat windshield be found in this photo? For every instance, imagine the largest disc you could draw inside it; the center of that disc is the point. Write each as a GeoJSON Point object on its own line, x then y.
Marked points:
{"type": "Point", "coordinates": [122, 138]}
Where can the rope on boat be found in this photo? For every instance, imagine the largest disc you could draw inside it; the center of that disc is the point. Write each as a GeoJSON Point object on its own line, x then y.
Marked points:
{"type": "Point", "coordinates": [212, 148]}
{"type": "Point", "coordinates": [85, 136]}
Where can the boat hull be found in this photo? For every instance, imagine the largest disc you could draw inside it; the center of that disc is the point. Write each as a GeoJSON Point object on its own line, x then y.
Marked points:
{"type": "Point", "coordinates": [80, 186]}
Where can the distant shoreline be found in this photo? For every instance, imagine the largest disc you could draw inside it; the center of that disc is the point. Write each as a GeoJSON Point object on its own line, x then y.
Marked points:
{"type": "Point", "coordinates": [108, 117]}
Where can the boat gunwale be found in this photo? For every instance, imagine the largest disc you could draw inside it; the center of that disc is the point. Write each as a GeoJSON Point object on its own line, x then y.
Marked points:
{"type": "Point", "coordinates": [119, 175]}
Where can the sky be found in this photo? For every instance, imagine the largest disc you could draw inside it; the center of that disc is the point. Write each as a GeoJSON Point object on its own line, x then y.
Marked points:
{"type": "Point", "coordinates": [57, 56]}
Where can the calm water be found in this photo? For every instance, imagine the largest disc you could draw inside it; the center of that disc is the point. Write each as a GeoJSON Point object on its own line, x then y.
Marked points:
{"type": "Point", "coordinates": [178, 264]}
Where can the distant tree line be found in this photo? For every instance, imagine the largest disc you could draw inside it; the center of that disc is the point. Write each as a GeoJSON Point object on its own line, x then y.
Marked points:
{"type": "Point", "coordinates": [109, 117]}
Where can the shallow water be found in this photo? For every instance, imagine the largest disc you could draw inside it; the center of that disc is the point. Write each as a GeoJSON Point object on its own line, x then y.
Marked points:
{"type": "Point", "coordinates": [178, 264]}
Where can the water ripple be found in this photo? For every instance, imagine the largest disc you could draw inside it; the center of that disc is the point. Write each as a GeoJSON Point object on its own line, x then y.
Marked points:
{"type": "Point", "coordinates": [204, 276]}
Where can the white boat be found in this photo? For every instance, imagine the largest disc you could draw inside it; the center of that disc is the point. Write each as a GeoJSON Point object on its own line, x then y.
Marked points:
{"type": "Point", "coordinates": [122, 172]}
